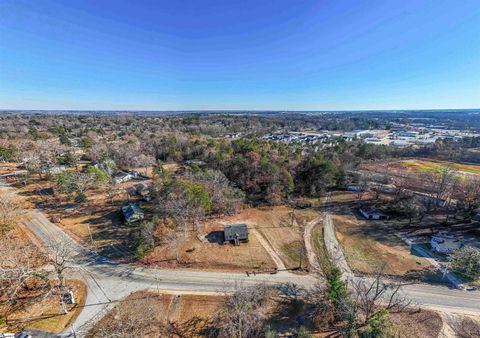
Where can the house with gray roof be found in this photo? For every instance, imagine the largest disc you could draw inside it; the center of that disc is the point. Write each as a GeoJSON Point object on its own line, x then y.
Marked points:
{"type": "Point", "coordinates": [132, 212]}
{"type": "Point", "coordinates": [236, 233]}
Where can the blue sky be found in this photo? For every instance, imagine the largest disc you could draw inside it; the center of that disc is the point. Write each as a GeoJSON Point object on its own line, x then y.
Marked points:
{"type": "Point", "coordinates": [203, 54]}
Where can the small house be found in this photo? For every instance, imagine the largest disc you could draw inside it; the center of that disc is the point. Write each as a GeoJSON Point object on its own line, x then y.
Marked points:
{"type": "Point", "coordinates": [122, 177]}
{"type": "Point", "coordinates": [373, 214]}
{"type": "Point", "coordinates": [431, 200]}
{"type": "Point", "coordinates": [54, 169]}
{"type": "Point", "coordinates": [143, 188]}
{"type": "Point", "coordinates": [198, 163]}
{"type": "Point", "coordinates": [236, 233]}
{"type": "Point", "coordinates": [132, 212]}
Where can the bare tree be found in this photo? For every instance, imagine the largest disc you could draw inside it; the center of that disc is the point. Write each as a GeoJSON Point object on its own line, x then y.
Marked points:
{"type": "Point", "coordinates": [241, 314]}
{"type": "Point", "coordinates": [465, 327]}
{"type": "Point", "coordinates": [371, 294]}
{"type": "Point", "coordinates": [144, 161]}
{"type": "Point", "coordinates": [114, 190]}
{"type": "Point", "coordinates": [60, 255]}
{"type": "Point", "coordinates": [134, 317]}
{"type": "Point", "coordinates": [10, 210]}
{"type": "Point", "coordinates": [22, 282]}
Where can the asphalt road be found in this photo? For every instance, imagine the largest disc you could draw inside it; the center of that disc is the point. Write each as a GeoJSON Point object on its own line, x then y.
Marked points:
{"type": "Point", "coordinates": [108, 282]}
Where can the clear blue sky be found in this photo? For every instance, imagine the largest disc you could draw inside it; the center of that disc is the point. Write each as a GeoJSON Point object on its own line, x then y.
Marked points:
{"type": "Point", "coordinates": [242, 54]}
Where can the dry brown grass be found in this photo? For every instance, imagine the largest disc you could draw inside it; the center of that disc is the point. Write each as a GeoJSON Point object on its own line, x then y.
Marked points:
{"type": "Point", "coordinates": [282, 227]}
{"type": "Point", "coordinates": [203, 255]}
{"type": "Point", "coordinates": [369, 246]}
{"type": "Point", "coordinates": [47, 314]}
{"type": "Point", "coordinates": [421, 324]}
{"type": "Point", "coordinates": [274, 224]}
{"type": "Point", "coordinates": [55, 320]}
{"type": "Point", "coordinates": [187, 314]}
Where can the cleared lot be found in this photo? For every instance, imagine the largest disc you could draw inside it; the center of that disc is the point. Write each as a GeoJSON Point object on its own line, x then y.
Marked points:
{"type": "Point", "coordinates": [370, 246]}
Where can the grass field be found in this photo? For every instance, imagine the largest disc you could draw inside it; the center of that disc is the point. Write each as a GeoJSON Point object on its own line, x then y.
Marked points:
{"type": "Point", "coordinates": [432, 166]}
{"type": "Point", "coordinates": [371, 246]}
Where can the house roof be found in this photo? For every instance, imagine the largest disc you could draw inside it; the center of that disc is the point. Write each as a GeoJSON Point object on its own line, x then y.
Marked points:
{"type": "Point", "coordinates": [372, 211]}
{"type": "Point", "coordinates": [122, 175]}
{"type": "Point", "coordinates": [236, 229]}
{"type": "Point", "coordinates": [131, 209]}
{"type": "Point", "coordinates": [200, 163]}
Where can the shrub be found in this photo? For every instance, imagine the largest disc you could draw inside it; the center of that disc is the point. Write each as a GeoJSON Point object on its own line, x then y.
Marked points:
{"type": "Point", "coordinates": [466, 261]}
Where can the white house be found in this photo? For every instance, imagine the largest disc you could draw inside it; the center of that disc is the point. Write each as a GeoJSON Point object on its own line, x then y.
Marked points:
{"type": "Point", "coordinates": [122, 177]}
{"type": "Point", "coordinates": [373, 214]}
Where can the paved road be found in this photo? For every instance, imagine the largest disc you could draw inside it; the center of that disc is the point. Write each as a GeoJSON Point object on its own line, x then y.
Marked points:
{"type": "Point", "coordinates": [435, 297]}
{"type": "Point", "coordinates": [108, 281]}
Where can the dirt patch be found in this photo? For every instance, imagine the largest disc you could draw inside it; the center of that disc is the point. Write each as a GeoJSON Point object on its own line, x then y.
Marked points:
{"type": "Point", "coordinates": [142, 314]}
{"type": "Point", "coordinates": [199, 306]}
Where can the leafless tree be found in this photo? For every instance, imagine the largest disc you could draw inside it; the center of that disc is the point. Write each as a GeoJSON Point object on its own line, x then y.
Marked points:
{"type": "Point", "coordinates": [10, 210]}
{"type": "Point", "coordinates": [372, 293]}
{"type": "Point", "coordinates": [134, 317]}
{"type": "Point", "coordinates": [60, 256]}
{"type": "Point", "coordinates": [465, 327]}
{"type": "Point", "coordinates": [241, 314]}
{"type": "Point", "coordinates": [362, 184]}
{"type": "Point", "coordinates": [33, 165]}
{"type": "Point", "coordinates": [144, 161]}
{"type": "Point", "coordinates": [22, 281]}
{"type": "Point", "coordinates": [114, 190]}
{"type": "Point", "coordinates": [82, 182]}
{"type": "Point", "coordinates": [467, 195]}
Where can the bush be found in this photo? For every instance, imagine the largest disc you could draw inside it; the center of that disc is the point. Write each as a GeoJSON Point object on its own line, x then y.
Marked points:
{"type": "Point", "coordinates": [142, 250]}
{"type": "Point", "coordinates": [466, 261]}
{"type": "Point", "coordinates": [99, 176]}
{"type": "Point", "coordinates": [379, 325]}
{"type": "Point", "coordinates": [145, 240]}
{"type": "Point", "coordinates": [301, 332]}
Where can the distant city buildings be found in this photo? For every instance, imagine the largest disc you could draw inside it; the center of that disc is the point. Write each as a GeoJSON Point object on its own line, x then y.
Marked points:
{"type": "Point", "coordinates": [399, 135]}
